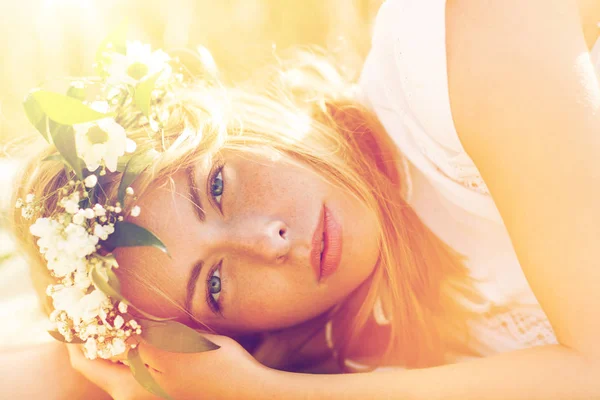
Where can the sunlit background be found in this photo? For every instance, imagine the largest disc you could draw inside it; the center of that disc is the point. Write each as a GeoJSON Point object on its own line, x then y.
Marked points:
{"type": "Point", "coordinates": [45, 39]}
{"type": "Point", "coordinates": [41, 40]}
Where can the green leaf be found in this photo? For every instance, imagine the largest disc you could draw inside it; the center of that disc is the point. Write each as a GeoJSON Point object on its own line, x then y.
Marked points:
{"type": "Point", "coordinates": [136, 165]}
{"type": "Point", "coordinates": [123, 160]}
{"type": "Point", "coordinates": [76, 93]}
{"type": "Point", "coordinates": [65, 110]}
{"type": "Point", "coordinates": [143, 93]}
{"type": "Point", "coordinates": [127, 234]}
{"type": "Point", "coordinates": [112, 288]}
{"type": "Point", "coordinates": [113, 281]}
{"type": "Point", "coordinates": [36, 115]}
{"type": "Point", "coordinates": [175, 337]}
{"type": "Point", "coordinates": [63, 137]}
{"type": "Point", "coordinates": [56, 335]}
{"type": "Point", "coordinates": [142, 375]}
{"type": "Point", "coordinates": [105, 286]}
{"type": "Point", "coordinates": [54, 157]}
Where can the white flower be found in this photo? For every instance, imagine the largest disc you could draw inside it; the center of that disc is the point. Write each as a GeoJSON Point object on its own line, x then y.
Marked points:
{"type": "Point", "coordinates": [19, 203]}
{"type": "Point", "coordinates": [67, 300]}
{"type": "Point", "coordinates": [82, 280]}
{"type": "Point", "coordinates": [90, 305]}
{"type": "Point", "coordinates": [63, 329]}
{"type": "Point", "coordinates": [64, 248]}
{"type": "Point", "coordinates": [27, 212]}
{"type": "Point", "coordinates": [122, 307]}
{"type": "Point", "coordinates": [78, 218]}
{"type": "Point", "coordinates": [89, 213]}
{"type": "Point", "coordinates": [71, 203]}
{"type": "Point", "coordinates": [129, 190]}
{"type": "Point", "coordinates": [81, 215]}
{"type": "Point", "coordinates": [135, 211]}
{"type": "Point", "coordinates": [99, 210]}
{"type": "Point", "coordinates": [78, 242]}
{"type": "Point", "coordinates": [118, 322]}
{"type": "Point", "coordinates": [101, 141]}
{"type": "Point", "coordinates": [71, 206]}
{"type": "Point", "coordinates": [91, 181]}
{"type": "Point", "coordinates": [79, 307]}
{"type": "Point", "coordinates": [102, 231]}
{"type": "Point", "coordinates": [29, 198]}
{"type": "Point", "coordinates": [91, 349]}
{"type": "Point", "coordinates": [138, 63]}
{"type": "Point", "coordinates": [118, 347]}
{"type": "Point", "coordinates": [91, 329]}
{"type": "Point", "coordinates": [44, 227]}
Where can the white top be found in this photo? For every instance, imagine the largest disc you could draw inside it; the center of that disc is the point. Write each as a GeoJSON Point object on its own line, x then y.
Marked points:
{"type": "Point", "coordinates": [405, 82]}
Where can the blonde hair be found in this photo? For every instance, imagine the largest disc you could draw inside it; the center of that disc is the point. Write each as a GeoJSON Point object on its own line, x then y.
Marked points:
{"type": "Point", "coordinates": [305, 109]}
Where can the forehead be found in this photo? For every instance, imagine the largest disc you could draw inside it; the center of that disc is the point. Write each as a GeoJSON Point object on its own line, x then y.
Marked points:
{"type": "Point", "coordinates": [150, 278]}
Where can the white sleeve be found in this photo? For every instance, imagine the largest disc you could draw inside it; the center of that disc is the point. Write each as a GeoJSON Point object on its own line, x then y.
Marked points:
{"type": "Point", "coordinates": [405, 81]}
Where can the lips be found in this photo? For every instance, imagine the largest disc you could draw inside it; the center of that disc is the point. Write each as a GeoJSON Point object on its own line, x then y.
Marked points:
{"type": "Point", "coordinates": [328, 232]}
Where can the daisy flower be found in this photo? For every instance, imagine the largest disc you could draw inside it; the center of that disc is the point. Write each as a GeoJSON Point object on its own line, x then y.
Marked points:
{"type": "Point", "coordinates": [138, 63]}
{"type": "Point", "coordinates": [102, 141]}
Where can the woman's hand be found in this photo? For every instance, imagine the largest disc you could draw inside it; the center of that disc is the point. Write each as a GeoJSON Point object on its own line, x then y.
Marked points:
{"type": "Point", "coordinates": [226, 373]}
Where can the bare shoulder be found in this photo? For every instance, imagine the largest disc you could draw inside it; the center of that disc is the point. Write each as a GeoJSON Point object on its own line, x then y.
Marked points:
{"type": "Point", "coordinates": [525, 101]}
{"type": "Point", "coordinates": [43, 372]}
{"type": "Point", "coordinates": [504, 53]}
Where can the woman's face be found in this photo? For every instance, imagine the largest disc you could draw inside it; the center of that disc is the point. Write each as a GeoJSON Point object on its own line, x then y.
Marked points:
{"type": "Point", "coordinates": [244, 234]}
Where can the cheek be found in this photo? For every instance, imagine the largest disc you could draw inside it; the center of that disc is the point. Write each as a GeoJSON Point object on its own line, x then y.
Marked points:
{"type": "Point", "coordinates": [273, 300]}
{"type": "Point", "coordinates": [267, 185]}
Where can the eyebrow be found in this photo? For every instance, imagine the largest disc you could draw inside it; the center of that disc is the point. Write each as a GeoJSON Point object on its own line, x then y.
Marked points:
{"type": "Point", "coordinates": [197, 269]}
{"type": "Point", "coordinates": [194, 194]}
{"type": "Point", "coordinates": [191, 286]}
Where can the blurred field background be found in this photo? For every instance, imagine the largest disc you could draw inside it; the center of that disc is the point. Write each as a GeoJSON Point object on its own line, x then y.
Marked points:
{"type": "Point", "coordinates": [41, 40]}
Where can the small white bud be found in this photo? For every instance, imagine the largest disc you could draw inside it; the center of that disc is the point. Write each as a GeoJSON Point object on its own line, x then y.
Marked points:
{"type": "Point", "coordinates": [29, 198]}
{"type": "Point", "coordinates": [122, 307]}
{"type": "Point", "coordinates": [89, 213]}
{"type": "Point", "coordinates": [78, 218]}
{"type": "Point", "coordinates": [91, 181]}
{"type": "Point", "coordinates": [99, 210]}
{"type": "Point", "coordinates": [129, 190]}
{"type": "Point", "coordinates": [135, 211]}
{"type": "Point", "coordinates": [130, 146]}
{"type": "Point", "coordinates": [119, 321]}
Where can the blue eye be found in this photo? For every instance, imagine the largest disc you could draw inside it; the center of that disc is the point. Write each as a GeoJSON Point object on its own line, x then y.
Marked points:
{"type": "Point", "coordinates": [213, 288]}
{"type": "Point", "coordinates": [214, 285]}
{"type": "Point", "coordinates": [216, 185]}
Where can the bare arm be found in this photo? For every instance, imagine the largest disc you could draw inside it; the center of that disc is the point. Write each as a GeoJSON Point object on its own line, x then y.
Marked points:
{"type": "Point", "coordinates": [526, 103]}
{"type": "Point", "coordinates": [43, 372]}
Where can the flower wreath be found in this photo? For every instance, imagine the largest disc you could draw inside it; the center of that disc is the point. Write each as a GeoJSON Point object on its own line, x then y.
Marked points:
{"type": "Point", "coordinates": [77, 242]}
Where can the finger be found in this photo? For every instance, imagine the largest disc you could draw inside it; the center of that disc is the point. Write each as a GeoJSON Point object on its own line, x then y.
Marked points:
{"type": "Point", "coordinates": [115, 379]}
{"type": "Point", "coordinates": [100, 372]}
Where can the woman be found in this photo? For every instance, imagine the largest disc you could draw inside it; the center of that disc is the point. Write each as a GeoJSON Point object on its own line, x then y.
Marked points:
{"type": "Point", "coordinates": [386, 290]}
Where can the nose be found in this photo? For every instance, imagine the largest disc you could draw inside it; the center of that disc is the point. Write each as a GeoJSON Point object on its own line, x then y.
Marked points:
{"type": "Point", "coordinates": [266, 239]}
